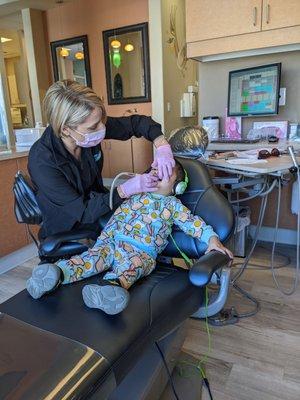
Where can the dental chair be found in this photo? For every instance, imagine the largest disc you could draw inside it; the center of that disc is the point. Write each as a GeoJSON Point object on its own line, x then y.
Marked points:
{"type": "Point", "coordinates": [57, 348]}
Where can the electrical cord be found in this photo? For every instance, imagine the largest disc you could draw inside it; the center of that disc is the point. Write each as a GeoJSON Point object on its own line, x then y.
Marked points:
{"type": "Point", "coordinates": [254, 241]}
{"type": "Point", "coordinates": [168, 371]}
{"type": "Point", "coordinates": [200, 366]}
{"type": "Point", "coordinates": [259, 267]}
{"type": "Point", "coordinates": [264, 196]}
{"type": "Point", "coordinates": [249, 297]}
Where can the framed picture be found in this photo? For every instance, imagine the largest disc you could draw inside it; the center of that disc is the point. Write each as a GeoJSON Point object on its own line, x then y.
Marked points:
{"type": "Point", "coordinates": [126, 55]}
{"type": "Point", "coordinates": [70, 59]}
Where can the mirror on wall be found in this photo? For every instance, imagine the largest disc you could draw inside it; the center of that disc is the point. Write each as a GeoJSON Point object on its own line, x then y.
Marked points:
{"type": "Point", "coordinates": [70, 58]}
{"type": "Point", "coordinates": [126, 54]}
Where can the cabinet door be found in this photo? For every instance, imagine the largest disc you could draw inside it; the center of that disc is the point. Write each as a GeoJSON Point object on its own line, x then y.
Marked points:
{"type": "Point", "coordinates": [12, 235]}
{"type": "Point", "coordinates": [142, 152]}
{"type": "Point", "coordinates": [280, 14]}
{"type": "Point", "coordinates": [105, 145]}
{"type": "Point", "coordinates": [120, 157]}
{"type": "Point", "coordinates": [209, 19]}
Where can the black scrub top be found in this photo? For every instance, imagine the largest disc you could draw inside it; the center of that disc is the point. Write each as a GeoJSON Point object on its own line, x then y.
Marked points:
{"type": "Point", "coordinates": [70, 193]}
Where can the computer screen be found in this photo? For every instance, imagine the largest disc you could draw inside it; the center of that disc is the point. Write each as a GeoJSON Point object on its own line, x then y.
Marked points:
{"type": "Point", "coordinates": [254, 91]}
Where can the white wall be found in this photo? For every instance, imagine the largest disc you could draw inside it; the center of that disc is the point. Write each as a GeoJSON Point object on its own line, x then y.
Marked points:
{"type": "Point", "coordinates": [168, 83]}
{"type": "Point", "coordinates": [213, 86]}
{"type": "Point", "coordinates": [175, 81]}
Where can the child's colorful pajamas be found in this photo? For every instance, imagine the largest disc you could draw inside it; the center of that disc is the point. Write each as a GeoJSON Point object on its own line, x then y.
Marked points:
{"type": "Point", "coordinates": [129, 244]}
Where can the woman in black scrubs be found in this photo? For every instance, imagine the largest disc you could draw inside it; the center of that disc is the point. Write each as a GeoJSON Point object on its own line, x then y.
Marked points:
{"type": "Point", "coordinates": [65, 164]}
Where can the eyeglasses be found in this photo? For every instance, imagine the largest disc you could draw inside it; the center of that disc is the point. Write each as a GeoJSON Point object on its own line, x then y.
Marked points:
{"type": "Point", "coordinates": [262, 154]}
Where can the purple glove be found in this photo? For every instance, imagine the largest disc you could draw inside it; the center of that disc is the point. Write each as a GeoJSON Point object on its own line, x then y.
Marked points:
{"type": "Point", "coordinates": [164, 161]}
{"type": "Point", "coordinates": [140, 184]}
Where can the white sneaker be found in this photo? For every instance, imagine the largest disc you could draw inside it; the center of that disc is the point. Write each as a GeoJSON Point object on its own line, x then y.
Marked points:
{"type": "Point", "coordinates": [109, 298]}
{"type": "Point", "coordinates": [44, 278]}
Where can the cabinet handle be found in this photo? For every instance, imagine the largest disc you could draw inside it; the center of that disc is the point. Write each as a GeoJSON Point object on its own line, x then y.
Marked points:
{"type": "Point", "coordinates": [268, 13]}
{"type": "Point", "coordinates": [254, 16]}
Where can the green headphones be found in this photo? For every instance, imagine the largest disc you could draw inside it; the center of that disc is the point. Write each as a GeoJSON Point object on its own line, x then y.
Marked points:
{"type": "Point", "coordinates": [180, 186]}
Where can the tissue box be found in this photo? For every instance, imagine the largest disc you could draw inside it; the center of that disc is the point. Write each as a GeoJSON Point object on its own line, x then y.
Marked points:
{"type": "Point", "coordinates": [26, 137]}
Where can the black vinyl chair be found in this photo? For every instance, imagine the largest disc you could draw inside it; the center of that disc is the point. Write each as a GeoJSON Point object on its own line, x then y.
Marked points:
{"type": "Point", "coordinates": [74, 352]}
{"type": "Point", "coordinates": [27, 211]}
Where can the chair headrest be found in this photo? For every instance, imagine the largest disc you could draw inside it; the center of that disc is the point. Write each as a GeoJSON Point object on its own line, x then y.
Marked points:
{"type": "Point", "coordinates": [206, 201]}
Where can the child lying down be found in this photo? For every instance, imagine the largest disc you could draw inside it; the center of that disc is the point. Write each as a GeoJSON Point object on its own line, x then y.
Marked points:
{"type": "Point", "coordinates": [127, 247]}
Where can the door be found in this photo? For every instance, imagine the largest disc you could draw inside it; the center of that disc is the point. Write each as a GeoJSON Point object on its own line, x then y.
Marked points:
{"type": "Point", "coordinates": [209, 19]}
{"type": "Point", "coordinates": [280, 14]}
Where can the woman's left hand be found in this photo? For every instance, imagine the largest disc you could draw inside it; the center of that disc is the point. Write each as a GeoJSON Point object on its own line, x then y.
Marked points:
{"type": "Point", "coordinates": [215, 244]}
{"type": "Point", "coordinates": [164, 161]}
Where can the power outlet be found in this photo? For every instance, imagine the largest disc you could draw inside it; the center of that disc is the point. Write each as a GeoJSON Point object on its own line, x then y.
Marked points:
{"type": "Point", "coordinates": [282, 96]}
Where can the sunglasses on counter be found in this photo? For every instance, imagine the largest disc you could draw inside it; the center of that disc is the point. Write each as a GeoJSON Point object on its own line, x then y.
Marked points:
{"type": "Point", "coordinates": [263, 154]}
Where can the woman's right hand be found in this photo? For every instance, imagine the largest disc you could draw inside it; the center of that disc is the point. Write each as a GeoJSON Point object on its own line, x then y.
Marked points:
{"type": "Point", "coordinates": [139, 184]}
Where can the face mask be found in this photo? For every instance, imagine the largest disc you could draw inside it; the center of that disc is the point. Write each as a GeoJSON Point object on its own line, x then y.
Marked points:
{"type": "Point", "coordinates": [91, 139]}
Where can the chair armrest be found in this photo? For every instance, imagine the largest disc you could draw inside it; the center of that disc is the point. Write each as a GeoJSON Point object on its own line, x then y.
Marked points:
{"type": "Point", "coordinates": [202, 271]}
{"type": "Point", "coordinates": [53, 242]}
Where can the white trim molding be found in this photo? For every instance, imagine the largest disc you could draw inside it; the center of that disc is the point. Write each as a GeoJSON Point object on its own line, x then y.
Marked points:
{"type": "Point", "coordinates": [284, 236]}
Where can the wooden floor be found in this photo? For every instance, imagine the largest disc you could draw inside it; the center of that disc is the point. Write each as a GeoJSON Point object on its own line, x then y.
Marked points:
{"type": "Point", "coordinates": [256, 359]}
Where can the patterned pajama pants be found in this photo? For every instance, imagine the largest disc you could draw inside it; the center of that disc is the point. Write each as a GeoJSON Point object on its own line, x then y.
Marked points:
{"type": "Point", "coordinates": [122, 260]}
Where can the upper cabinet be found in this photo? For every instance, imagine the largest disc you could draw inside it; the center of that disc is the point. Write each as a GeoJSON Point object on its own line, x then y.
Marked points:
{"type": "Point", "coordinates": [209, 19]}
{"type": "Point", "coordinates": [280, 14]}
{"type": "Point", "coordinates": [223, 26]}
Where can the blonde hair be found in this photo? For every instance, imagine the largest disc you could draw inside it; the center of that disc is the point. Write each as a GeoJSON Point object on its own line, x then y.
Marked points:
{"type": "Point", "coordinates": [67, 103]}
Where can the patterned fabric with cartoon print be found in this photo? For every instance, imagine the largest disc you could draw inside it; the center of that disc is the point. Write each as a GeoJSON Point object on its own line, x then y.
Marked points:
{"type": "Point", "coordinates": [130, 242]}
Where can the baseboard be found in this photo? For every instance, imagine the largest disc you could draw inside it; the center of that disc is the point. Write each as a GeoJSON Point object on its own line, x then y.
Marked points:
{"type": "Point", "coordinates": [284, 236]}
{"type": "Point", "coordinates": [17, 257]}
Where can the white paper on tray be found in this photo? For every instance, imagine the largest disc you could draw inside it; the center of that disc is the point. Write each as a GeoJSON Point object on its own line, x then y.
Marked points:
{"type": "Point", "coordinates": [246, 161]}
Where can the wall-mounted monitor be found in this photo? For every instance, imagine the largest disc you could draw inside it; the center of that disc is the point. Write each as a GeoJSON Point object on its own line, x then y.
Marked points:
{"type": "Point", "coordinates": [254, 91]}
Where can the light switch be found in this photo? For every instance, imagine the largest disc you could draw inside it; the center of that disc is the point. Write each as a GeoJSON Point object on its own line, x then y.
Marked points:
{"type": "Point", "coordinates": [282, 96]}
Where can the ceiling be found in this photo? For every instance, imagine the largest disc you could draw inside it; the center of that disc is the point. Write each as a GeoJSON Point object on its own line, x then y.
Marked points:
{"type": "Point", "coordinates": [12, 6]}
{"type": "Point", "coordinates": [11, 21]}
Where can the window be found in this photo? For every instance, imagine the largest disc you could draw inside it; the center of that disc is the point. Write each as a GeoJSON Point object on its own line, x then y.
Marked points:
{"type": "Point", "coordinates": [4, 133]}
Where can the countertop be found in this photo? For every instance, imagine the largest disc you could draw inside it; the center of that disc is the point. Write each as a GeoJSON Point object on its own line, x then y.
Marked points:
{"type": "Point", "coordinates": [246, 146]}
{"type": "Point", "coordinates": [273, 165]}
{"type": "Point", "coordinates": [12, 154]}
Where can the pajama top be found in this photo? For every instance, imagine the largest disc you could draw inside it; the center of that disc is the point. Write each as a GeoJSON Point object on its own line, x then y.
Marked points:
{"type": "Point", "coordinates": [145, 221]}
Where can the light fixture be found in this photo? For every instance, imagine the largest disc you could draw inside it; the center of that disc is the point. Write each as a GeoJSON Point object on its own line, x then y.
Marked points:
{"type": "Point", "coordinates": [4, 39]}
{"type": "Point", "coordinates": [129, 47]}
{"type": "Point", "coordinates": [64, 52]}
{"type": "Point", "coordinates": [116, 44]}
{"type": "Point", "coordinates": [116, 59]}
{"type": "Point", "coordinates": [79, 55]}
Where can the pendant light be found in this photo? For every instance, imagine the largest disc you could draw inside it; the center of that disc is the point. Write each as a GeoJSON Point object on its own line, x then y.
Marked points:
{"type": "Point", "coordinates": [79, 55]}
{"type": "Point", "coordinates": [64, 52]}
{"type": "Point", "coordinates": [116, 59]}
{"type": "Point", "coordinates": [116, 44]}
{"type": "Point", "coordinates": [129, 47]}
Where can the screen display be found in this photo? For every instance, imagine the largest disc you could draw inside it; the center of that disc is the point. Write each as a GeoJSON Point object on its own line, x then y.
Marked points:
{"type": "Point", "coordinates": [254, 91]}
